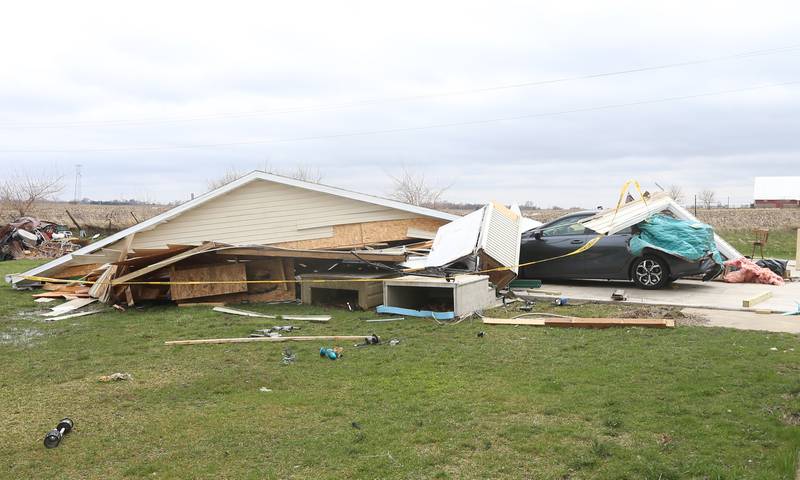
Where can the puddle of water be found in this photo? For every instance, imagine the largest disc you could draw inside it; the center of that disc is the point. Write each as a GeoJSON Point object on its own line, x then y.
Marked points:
{"type": "Point", "coordinates": [19, 336]}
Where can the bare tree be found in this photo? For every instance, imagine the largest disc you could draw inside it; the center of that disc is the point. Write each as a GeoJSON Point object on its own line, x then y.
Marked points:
{"type": "Point", "coordinates": [307, 174]}
{"type": "Point", "coordinates": [707, 198]}
{"type": "Point", "coordinates": [676, 192]}
{"type": "Point", "coordinates": [413, 188]}
{"type": "Point", "coordinates": [301, 172]}
{"type": "Point", "coordinates": [22, 190]}
{"type": "Point", "coordinates": [230, 175]}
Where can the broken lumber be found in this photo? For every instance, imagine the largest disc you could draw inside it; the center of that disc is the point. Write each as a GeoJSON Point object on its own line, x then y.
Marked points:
{"type": "Point", "coordinates": [310, 318]}
{"type": "Point", "coordinates": [244, 313]}
{"type": "Point", "coordinates": [583, 322]}
{"type": "Point", "coordinates": [69, 306]}
{"type": "Point", "coordinates": [72, 315]}
{"type": "Point", "coordinates": [749, 302]}
{"type": "Point", "coordinates": [270, 339]}
{"type": "Point", "coordinates": [514, 321]}
{"type": "Point", "coordinates": [380, 320]}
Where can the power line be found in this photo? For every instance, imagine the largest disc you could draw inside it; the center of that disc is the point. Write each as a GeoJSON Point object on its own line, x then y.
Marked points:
{"type": "Point", "coordinates": [401, 129]}
{"type": "Point", "coordinates": [368, 102]}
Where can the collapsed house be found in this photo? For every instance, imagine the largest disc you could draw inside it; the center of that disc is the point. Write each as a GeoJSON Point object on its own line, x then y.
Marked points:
{"type": "Point", "coordinates": [247, 241]}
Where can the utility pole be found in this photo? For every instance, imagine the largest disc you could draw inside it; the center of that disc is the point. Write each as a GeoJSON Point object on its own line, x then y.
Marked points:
{"type": "Point", "coordinates": [77, 197]}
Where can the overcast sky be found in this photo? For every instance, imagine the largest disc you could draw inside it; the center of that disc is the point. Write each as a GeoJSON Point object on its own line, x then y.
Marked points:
{"type": "Point", "coordinates": [128, 92]}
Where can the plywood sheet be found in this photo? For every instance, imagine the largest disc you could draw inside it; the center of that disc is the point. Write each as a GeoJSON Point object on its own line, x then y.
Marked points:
{"type": "Point", "coordinates": [360, 234]}
{"type": "Point", "coordinates": [227, 272]}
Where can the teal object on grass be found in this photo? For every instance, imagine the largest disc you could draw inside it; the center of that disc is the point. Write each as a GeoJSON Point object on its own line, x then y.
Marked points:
{"type": "Point", "coordinates": [687, 240]}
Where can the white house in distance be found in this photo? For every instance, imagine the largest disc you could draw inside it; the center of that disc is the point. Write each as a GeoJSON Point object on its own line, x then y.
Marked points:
{"type": "Point", "coordinates": [776, 192]}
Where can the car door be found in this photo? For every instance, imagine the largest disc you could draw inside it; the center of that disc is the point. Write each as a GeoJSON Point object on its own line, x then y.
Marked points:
{"type": "Point", "coordinates": [554, 240]}
{"type": "Point", "coordinates": [609, 258]}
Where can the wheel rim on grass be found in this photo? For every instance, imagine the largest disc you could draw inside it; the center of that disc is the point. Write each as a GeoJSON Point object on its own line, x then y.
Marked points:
{"type": "Point", "coordinates": [649, 272]}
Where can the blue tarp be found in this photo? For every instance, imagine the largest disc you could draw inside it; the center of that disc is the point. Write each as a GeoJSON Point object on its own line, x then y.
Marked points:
{"type": "Point", "coordinates": [687, 240]}
{"type": "Point", "coordinates": [415, 313]}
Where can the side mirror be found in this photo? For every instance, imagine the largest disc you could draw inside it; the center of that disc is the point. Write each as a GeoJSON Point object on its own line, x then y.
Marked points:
{"type": "Point", "coordinates": [537, 235]}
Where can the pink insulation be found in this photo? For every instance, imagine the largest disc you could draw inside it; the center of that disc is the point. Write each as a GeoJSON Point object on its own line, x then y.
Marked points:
{"type": "Point", "coordinates": [748, 272]}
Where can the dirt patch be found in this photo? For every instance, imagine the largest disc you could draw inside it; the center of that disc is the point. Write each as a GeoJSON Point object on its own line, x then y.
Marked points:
{"type": "Point", "coordinates": [791, 418]}
{"type": "Point", "coordinates": [658, 311]}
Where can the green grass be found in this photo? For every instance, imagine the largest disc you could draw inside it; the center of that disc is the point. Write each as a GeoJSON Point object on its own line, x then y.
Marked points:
{"type": "Point", "coordinates": [521, 402]}
{"type": "Point", "coordinates": [780, 244]}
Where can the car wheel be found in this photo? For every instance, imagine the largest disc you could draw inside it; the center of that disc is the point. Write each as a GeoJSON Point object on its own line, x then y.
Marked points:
{"type": "Point", "coordinates": [650, 272]}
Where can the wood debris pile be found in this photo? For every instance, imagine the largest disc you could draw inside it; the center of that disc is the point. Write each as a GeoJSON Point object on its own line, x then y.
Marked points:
{"type": "Point", "coordinates": [28, 237]}
{"type": "Point", "coordinates": [217, 273]}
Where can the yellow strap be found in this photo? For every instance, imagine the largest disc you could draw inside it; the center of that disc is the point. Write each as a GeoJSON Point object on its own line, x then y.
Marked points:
{"type": "Point", "coordinates": [577, 251]}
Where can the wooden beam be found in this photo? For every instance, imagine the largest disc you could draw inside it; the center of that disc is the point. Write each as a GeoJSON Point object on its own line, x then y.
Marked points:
{"type": "Point", "coordinates": [315, 254]}
{"type": "Point", "coordinates": [747, 303]}
{"type": "Point", "coordinates": [583, 322]}
{"type": "Point", "coordinates": [514, 321]}
{"type": "Point", "coordinates": [269, 339]}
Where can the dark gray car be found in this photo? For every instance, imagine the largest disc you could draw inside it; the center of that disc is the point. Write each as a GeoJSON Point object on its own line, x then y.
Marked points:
{"type": "Point", "coordinates": [608, 259]}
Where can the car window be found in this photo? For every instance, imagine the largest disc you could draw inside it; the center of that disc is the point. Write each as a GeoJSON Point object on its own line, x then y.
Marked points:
{"type": "Point", "coordinates": [565, 226]}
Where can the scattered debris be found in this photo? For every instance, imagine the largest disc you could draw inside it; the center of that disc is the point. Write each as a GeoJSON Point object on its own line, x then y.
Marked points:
{"type": "Point", "coordinates": [619, 295]}
{"type": "Point", "coordinates": [371, 340]}
{"type": "Point", "coordinates": [288, 356]}
{"type": "Point", "coordinates": [45, 300]}
{"type": "Point", "coordinates": [778, 267]}
{"type": "Point", "coordinates": [481, 334]}
{"type": "Point", "coordinates": [28, 237]}
{"type": "Point", "coordinates": [245, 313]}
{"type": "Point", "coordinates": [394, 342]}
{"type": "Point", "coordinates": [333, 353]}
{"type": "Point", "coordinates": [560, 321]}
{"type": "Point", "coordinates": [270, 339]}
{"type": "Point", "coordinates": [54, 436]}
{"type": "Point", "coordinates": [69, 306]}
{"type": "Point", "coordinates": [115, 377]}
{"type": "Point", "coordinates": [459, 296]}
{"type": "Point", "coordinates": [265, 389]}
{"type": "Point", "coordinates": [486, 239]}
{"type": "Point", "coordinates": [560, 301]}
{"type": "Point", "coordinates": [310, 318]}
{"type": "Point", "coordinates": [612, 221]}
{"type": "Point", "coordinates": [381, 320]}
{"type": "Point", "coordinates": [415, 313]}
{"type": "Point", "coordinates": [72, 315]}
{"type": "Point", "coordinates": [744, 270]}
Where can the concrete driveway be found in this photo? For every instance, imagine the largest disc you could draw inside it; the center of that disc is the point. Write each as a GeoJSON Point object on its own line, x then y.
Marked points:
{"type": "Point", "coordinates": [719, 302]}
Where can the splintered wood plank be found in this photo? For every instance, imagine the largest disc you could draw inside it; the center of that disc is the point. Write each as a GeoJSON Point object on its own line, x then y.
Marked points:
{"type": "Point", "coordinates": [223, 272]}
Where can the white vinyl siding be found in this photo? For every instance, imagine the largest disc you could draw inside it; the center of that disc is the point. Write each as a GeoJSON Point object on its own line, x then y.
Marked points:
{"type": "Point", "coordinates": [264, 212]}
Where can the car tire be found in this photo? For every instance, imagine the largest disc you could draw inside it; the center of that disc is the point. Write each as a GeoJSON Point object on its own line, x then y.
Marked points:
{"type": "Point", "coordinates": [650, 272]}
